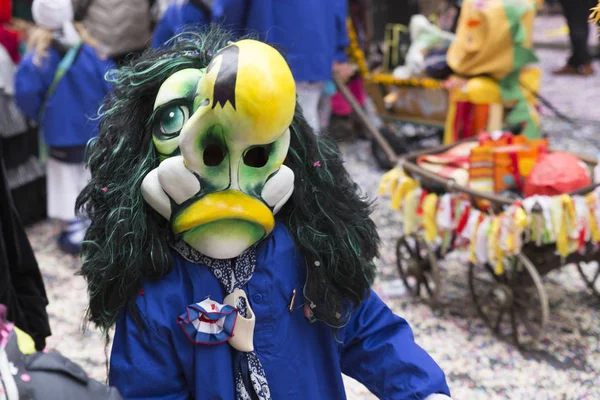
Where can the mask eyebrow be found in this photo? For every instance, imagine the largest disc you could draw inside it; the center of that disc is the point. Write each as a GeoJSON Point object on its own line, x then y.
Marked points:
{"type": "Point", "coordinates": [181, 85]}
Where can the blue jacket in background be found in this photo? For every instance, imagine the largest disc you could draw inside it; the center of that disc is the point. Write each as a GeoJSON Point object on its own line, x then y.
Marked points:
{"type": "Point", "coordinates": [70, 115]}
{"type": "Point", "coordinates": [301, 360]}
{"type": "Point", "coordinates": [176, 19]}
{"type": "Point", "coordinates": [311, 33]}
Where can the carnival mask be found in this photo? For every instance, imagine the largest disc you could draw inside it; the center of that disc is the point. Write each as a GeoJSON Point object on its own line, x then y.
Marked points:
{"type": "Point", "coordinates": [223, 133]}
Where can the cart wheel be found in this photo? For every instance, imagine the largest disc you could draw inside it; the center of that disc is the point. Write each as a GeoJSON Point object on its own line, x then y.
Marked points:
{"type": "Point", "coordinates": [514, 305]}
{"type": "Point", "coordinates": [590, 272]}
{"type": "Point", "coordinates": [418, 268]}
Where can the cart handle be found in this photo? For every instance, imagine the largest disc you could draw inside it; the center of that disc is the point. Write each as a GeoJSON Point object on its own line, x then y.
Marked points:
{"type": "Point", "coordinates": [452, 186]}
{"type": "Point", "coordinates": [364, 119]}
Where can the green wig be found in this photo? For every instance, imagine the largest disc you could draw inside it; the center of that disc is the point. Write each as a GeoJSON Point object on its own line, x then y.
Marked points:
{"type": "Point", "coordinates": [127, 241]}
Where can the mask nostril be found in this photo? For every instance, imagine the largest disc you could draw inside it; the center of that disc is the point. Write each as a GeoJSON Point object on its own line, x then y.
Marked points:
{"type": "Point", "coordinates": [256, 157]}
{"type": "Point", "coordinates": [213, 155]}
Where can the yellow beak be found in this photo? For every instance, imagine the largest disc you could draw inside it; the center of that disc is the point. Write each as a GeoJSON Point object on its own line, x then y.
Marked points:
{"type": "Point", "coordinates": [226, 205]}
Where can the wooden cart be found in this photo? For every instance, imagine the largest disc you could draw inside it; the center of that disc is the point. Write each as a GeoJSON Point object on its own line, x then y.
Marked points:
{"type": "Point", "coordinates": [513, 304]}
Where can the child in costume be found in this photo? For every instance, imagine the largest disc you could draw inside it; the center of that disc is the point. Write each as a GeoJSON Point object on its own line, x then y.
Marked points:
{"type": "Point", "coordinates": [228, 243]}
{"type": "Point", "coordinates": [179, 15]}
{"type": "Point", "coordinates": [60, 84]}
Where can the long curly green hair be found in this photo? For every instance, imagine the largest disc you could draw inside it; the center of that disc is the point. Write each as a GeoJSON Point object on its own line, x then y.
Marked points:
{"type": "Point", "coordinates": [126, 242]}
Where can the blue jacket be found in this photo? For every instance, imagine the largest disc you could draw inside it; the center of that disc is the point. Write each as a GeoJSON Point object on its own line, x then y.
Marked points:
{"type": "Point", "coordinates": [301, 360]}
{"type": "Point", "coordinates": [70, 112]}
{"type": "Point", "coordinates": [174, 21]}
{"type": "Point", "coordinates": [311, 33]}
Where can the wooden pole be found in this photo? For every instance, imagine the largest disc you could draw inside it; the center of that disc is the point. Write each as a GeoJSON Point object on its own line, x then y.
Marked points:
{"type": "Point", "coordinates": [364, 119]}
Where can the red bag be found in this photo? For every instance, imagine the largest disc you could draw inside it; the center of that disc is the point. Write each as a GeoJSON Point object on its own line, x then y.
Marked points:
{"type": "Point", "coordinates": [557, 173]}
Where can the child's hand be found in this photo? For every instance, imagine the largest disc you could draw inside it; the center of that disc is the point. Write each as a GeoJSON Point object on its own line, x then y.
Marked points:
{"type": "Point", "coordinates": [91, 41]}
{"type": "Point", "coordinates": [20, 26]}
{"type": "Point", "coordinates": [39, 41]}
{"type": "Point", "coordinates": [343, 70]}
{"type": "Point", "coordinates": [451, 83]}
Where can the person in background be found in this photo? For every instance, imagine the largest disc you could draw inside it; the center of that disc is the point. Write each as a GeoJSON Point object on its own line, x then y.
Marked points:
{"type": "Point", "coordinates": [179, 15]}
{"type": "Point", "coordinates": [577, 14]}
{"type": "Point", "coordinates": [18, 136]}
{"type": "Point", "coordinates": [122, 28]}
{"type": "Point", "coordinates": [60, 83]}
{"type": "Point", "coordinates": [342, 125]}
{"type": "Point", "coordinates": [311, 33]}
{"type": "Point", "coordinates": [9, 38]}
{"type": "Point", "coordinates": [21, 285]}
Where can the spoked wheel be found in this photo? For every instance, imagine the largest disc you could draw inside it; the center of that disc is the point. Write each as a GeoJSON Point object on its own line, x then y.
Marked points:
{"type": "Point", "coordinates": [418, 268]}
{"type": "Point", "coordinates": [590, 272]}
{"type": "Point", "coordinates": [514, 305]}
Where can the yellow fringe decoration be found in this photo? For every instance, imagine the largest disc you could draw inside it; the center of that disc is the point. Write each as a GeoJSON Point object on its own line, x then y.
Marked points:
{"type": "Point", "coordinates": [594, 229]}
{"type": "Point", "coordinates": [495, 250]}
{"type": "Point", "coordinates": [504, 236]}
{"type": "Point", "coordinates": [519, 221]}
{"type": "Point", "coordinates": [566, 225]}
{"type": "Point", "coordinates": [411, 203]}
{"type": "Point", "coordinates": [429, 213]}
{"type": "Point", "coordinates": [472, 257]}
{"type": "Point", "coordinates": [389, 181]}
{"type": "Point", "coordinates": [407, 185]}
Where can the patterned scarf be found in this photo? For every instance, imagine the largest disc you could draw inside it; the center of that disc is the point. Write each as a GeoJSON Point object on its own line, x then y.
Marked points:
{"type": "Point", "coordinates": [250, 378]}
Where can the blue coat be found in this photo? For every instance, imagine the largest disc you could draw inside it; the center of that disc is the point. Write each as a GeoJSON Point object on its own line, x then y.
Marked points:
{"type": "Point", "coordinates": [311, 33]}
{"type": "Point", "coordinates": [302, 361]}
{"type": "Point", "coordinates": [70, 115]}
{"type": "Point", "coordinates": [174, 21]}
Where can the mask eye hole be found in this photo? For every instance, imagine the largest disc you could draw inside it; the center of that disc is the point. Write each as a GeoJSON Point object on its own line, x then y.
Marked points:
{"type": "Point", "coordinates": [257, 157]}
{"type": "Point", "coordinates": [213, 155]}
{"type": "Point", "coordinates": [172, 119]}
